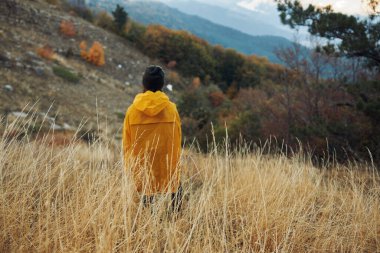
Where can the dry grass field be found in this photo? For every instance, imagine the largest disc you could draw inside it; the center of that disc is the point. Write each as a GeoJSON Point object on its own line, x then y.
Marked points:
{"type": "Point", "coordinates": [78, 198]}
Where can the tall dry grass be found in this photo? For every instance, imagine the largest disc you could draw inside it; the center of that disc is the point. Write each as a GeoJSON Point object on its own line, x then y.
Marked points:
{"type": "Point", "coordinates": [78, 198]}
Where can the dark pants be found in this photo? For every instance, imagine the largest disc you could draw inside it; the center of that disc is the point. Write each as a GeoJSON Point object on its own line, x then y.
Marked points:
{"type": "Point", "coordinates": [176, 200]}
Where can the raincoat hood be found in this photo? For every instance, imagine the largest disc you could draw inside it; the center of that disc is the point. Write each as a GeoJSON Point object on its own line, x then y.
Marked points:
{"type": "Point", "coordinates": [151, 103]}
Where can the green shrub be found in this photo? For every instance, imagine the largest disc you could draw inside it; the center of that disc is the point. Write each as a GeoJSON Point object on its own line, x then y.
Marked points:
{"type": "Point", "coordinates": [66, 74]}
{"type": "Point", "coordinates": [120, 115]}
{"type": "Point", "coordinates": [105, 21]}
{"type": "Point", "coordinates": [84, 13]}
{"type": "Point", "coordinates": [247, 126]}
{"type": "Point", "coordinates": [53, 2]}
{"type": "Point", "coordinates": [79, 8]}
{"type": "Point", "coordinates": [135, 33]}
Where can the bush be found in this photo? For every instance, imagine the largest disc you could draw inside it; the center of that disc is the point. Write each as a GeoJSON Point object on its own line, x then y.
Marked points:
{"type": "Point", "coordinates": [66, 74]}
{"type": "Point", "coordinates": [216, 98]}
{"type": "Point", "coordinates": [135, 33]}
{"type": "Point", "coordinates": [53, 2]}
{"type": "Point", "coordinates": [247, 127]}
{"type": "Point", "coordinates": [95, 54]}
{"type": "Point", "coordinates": [104, 20]}
{"type": "Point", "coordinates": [46, 52]}
{"type": "Point", "coordinates": [173, 77]}
{"type": "Point", "coordinates": [83, 12]}
{"type": "Point", "coordinates": [67, 28]}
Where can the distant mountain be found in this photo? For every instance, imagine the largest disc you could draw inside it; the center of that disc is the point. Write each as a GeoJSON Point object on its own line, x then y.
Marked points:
{"type": "Point", "coordinates": [252, 22]}
{"type": "Point", "coordinates": [149, 12]}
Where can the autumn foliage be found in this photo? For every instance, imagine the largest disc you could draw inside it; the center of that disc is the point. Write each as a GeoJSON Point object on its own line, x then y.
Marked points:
{"type": "Point", "coordinates": [172, 64]}
{"type": "Point", "coordinates": [67, 28]}
{"type": "Point", "coordinates": [83, 49]}
{"type": "Point", "coordinates": [46, 52]}
{"type": "Point", "coordinates": [173, 77]}
{"type": "Point", "coordinates": [216, 98]}
{"type": "Point", "coordinates": [196, 82]}
{"type": "Point", "coordinates": [94, 55]}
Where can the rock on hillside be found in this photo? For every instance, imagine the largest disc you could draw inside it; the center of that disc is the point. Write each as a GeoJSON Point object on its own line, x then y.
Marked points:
{"type": "Point", "coordinates": [28, 80]}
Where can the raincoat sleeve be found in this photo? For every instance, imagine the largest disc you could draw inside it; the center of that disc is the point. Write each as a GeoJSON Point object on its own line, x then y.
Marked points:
{"type": "Point", "coordinates": [127, 142]}
{"type": "Point", "coordinates": [178, 123]}
{"type": "Point", "coordinates": [178, 137]}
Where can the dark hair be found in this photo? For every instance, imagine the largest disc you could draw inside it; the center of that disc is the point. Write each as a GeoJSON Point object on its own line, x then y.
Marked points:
{"type": "Point", "coordinates": [154, 78]}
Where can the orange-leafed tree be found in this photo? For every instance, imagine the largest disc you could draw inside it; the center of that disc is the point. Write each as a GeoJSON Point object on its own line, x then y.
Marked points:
{"type": "Point", "coordinates": [216, 98]}
{"type": "Point", "coordinates": [94, 55]}
{"type": "Point", "coordinates": [173, 77]}
{"type": "Point", "coordinates": [83, 49]}
{"type": "Point", "coordinates": [67, 28]}
{"type": "Point", "coordinates": [46, 52]}
{"type": "Point", "coordinates": [196, 83]}
{"type": "Point", "coordinates": [172, 64]}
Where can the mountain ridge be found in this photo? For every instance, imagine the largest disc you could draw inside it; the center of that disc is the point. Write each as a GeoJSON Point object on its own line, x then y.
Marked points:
{"type": "Point", "coordinates": [153, 12]}
{"type": "Point", "coordinates": [254, 23]}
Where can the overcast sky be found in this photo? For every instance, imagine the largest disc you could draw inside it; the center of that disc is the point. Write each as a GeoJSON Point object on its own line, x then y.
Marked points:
{"type": "Point", "coordinates": [346, 6]}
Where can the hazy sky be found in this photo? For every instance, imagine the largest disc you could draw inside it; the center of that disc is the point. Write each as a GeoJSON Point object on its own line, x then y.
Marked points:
{"type": "Point", "coordinates": [346, 6]}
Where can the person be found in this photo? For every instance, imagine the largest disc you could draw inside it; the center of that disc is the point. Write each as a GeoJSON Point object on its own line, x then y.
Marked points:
{"type": "Point", "coordinates": [152, 138]}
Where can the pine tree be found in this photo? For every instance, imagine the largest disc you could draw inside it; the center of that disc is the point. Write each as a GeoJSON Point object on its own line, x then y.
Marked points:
{"type": "Point", "coordinates": [356, 36]}
{"type": "Point", "coordinates": [120, 17]}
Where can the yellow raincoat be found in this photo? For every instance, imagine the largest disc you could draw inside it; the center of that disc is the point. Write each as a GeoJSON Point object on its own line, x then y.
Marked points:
{"type": "Point", "coordinates": [152, 138]}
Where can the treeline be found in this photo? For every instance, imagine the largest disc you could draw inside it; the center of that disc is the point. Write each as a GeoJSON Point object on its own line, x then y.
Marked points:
{"type": "Point", "coordinates": [328, 103]}
{"type": "Point", "coordinates": [329, 117]}
{"type": "Point", "coordinates": [194, 57]}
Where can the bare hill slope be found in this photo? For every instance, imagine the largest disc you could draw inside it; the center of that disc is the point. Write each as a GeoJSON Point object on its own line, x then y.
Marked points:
{"type": "Point", "coordinates": [25, 77]}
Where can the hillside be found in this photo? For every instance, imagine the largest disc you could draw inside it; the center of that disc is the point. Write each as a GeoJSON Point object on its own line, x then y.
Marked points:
{"type": "Point", "coordinates": [149, 12]}
{"type": "Point", "coordinates": [102, 93]}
